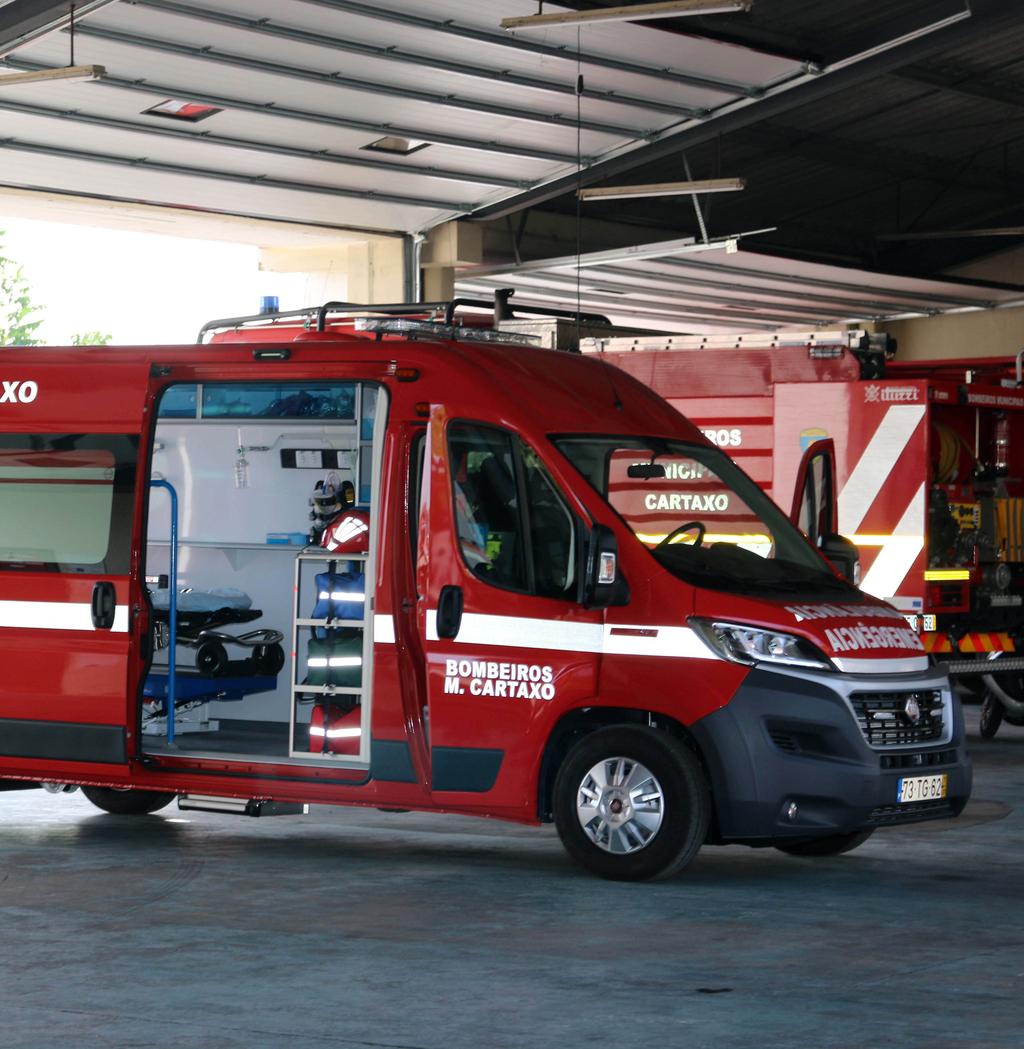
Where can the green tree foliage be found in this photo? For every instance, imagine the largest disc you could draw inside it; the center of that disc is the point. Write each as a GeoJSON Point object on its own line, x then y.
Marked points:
{"type": "Point", "coordinates": [91, 338]}
{"type": "Point", "coordinates": [16, 308]}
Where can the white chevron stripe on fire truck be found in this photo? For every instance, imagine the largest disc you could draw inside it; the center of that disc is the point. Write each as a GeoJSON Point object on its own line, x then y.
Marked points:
{"type": "Point", "coordinates": [899, 548]}
{"type": "Point", "coordinates": [872, 470]}
{"type": "Point", "coordinates": [899, 552]}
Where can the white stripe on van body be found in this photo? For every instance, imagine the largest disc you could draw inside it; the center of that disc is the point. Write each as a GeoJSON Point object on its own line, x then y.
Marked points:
{"type": "Point", "coordinates": [57, 615]}
{"type": "Point", "coordinates": [384, 630]}
{"type": "Point", "coordinates": [563, 636]}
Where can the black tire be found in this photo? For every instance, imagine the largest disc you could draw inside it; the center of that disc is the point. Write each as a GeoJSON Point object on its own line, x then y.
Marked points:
{"type": "Point", "coordinates": [269, 659]}
{"type": "Point", "coordinates": [211, 658]}
{"type": "Point", "coordinates": [833, 845]}
{"type": "Point", "coordinates": [991, 717]}
{"type": "Point", "coordinates": [128, 802]}
{"type": "Point", "coordinates": [685, 803]}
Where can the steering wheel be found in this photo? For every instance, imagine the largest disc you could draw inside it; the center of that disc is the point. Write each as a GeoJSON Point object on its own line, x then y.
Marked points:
{"type": "Point", "coordinates": [688, 527]}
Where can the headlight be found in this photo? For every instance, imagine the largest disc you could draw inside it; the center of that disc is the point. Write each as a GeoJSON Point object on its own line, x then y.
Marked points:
{"type": "Point", "coordinates": [750, 644]}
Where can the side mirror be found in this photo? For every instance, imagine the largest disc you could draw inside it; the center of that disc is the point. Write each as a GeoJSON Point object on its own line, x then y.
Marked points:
{"type": "Point", "coordinates": [843, 554]}
{"type": "Point", "coordinates": [602, 582]}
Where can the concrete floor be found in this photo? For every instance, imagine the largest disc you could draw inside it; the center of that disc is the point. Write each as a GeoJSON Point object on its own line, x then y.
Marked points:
{"type": "Point", "coordinates": [350, 929]}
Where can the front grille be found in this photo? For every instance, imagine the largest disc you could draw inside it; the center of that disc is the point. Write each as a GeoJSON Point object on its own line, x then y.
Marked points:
{"type": "Point", "coordinates": [885, 722]}
{"type": "Point", "coordinates": [925, 759]}
{"type": "Point", "coordinates": [917, 810]}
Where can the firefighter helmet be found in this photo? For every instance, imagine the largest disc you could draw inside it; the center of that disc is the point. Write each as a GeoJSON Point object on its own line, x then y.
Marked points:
{"type": "Point", "coordinates": [348, 533]}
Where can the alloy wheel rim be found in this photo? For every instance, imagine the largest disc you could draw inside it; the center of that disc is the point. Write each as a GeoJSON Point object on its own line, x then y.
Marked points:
{"type": "Point", "coordinates": [620, 805]}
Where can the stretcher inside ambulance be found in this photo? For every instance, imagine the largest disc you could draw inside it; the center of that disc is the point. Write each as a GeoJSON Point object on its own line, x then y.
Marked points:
{"type": "Point", "coordinates": [553, 600]}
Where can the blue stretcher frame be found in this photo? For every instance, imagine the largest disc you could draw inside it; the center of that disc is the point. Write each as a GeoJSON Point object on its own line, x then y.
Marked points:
{"type": "Point", "coordinates": [172, 611]}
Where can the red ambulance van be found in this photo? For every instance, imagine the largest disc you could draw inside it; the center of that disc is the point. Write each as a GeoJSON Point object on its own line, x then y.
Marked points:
{"type": "Point", "coordinates": [568, 606]}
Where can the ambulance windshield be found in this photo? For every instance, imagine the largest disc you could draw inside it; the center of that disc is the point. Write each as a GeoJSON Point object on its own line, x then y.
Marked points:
{"type": "Point", "coordinates": [699, 514]}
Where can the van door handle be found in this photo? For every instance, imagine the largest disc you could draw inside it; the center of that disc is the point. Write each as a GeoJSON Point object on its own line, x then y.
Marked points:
{"type": "Point", "coordinates": [104, 605]}
{"type": "Point", "coordinates": [449, 611]}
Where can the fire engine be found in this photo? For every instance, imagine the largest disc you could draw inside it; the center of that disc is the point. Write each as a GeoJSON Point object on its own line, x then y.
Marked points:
{"type": "Point", "coordinates": [532, 590]}
{"type": "Point", "coordinates": [929, 472]}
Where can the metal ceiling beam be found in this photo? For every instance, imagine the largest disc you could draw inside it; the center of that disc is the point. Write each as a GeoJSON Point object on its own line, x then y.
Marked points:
{"type": "Point", "coordinates": [398, 55]}
{"type": "Point", "coordinates": [166, 129]}
{"type": "Point", "coordinates": [145, 164]}
{"type": "Point", "coordinates": [271, 109]}
{"type": "Point", "coordinates": [626, 308]}
{"type": "Point", "coordinates": [854, 289]}
{"type": "Point", "coordinates": [878, 304]}
{"type": "Point", "coordinates": [634, 253]}
{"type": "Point", "coordinates": [378, 90]}
{"type": "Point", "coordinates": [566, 286]}
{"type": "Point", "coordinates": [666, 253]}
{"type": "Point", "coordinates": [559, 51]}
{"type": "Point", "coordinates": [984, 16]}
{"type": "Point", "coordinates": [22, 21]}
{"type": "Point", "coordinates": [678, 289]}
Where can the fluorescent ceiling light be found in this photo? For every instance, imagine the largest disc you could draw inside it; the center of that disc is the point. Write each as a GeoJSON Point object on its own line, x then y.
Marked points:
{"type": "Point", "coordinates": [42, 76]}
{"type": "Point", "coordinates": [630, 13]}
{"type": "Point", "coordinates": [393, 144]}
{"type": "Point", "coordinates": [181, 109]}
{"type": "Point", "coordinates": [663, 189]}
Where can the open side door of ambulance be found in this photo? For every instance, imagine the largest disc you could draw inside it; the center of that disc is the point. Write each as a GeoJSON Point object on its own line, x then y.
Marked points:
{"type": "Point", "coordinates": [70, 436]}
{"type": "Point", "coordinates": [815, 508]}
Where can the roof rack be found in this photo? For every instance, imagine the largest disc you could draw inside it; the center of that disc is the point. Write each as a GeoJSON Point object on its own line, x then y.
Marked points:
{"type": "Point", "coordinates": [315, 317]}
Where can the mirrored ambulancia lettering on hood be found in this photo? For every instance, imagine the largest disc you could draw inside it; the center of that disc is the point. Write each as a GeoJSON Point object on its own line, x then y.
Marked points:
{"type": "Point", "coordinates": [858, 636]}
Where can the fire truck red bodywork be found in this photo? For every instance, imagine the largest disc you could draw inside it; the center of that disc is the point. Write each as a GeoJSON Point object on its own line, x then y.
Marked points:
{"type": "Point", "coordinates": [766, 398]}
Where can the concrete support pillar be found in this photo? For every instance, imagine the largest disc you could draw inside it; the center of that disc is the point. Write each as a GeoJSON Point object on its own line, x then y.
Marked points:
{"type": "Point", "coordinates": [438, 284]}
{"type": "Point", "coordinates": [446, 249]}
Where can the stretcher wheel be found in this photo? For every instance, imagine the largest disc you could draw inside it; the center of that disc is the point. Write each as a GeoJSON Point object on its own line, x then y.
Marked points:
{"type": "Point", "coordinates": [269, 659]}
{"type": "Point", "coordinates": [991, 717]}
{"type": "Point", "coordinates": [211, 658]}
{"type": "Point", "coordinates": [128, 802]}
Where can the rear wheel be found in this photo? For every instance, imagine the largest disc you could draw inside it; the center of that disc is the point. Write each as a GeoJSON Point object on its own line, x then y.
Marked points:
{"type": "Point", "coordinates": [211, 658]}
{"type": "Point", "coordinates": [833, 845]}
{"type": "Point", "coordinates": [128, 802]}
{"type": "Point", "coordinates": [991, 717]}
{"type": "Point", "coordinates": [631, 803]}
{"type": "Point", "coordinates": [269, 659]}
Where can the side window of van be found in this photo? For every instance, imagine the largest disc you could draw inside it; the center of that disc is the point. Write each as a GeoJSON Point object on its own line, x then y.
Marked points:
{"type": "Point", "coordinates": [514, 528]}
{"type": "Point", "coordinates": [67, 501]}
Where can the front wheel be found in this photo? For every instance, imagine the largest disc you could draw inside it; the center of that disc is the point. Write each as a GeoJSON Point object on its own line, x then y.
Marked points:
{"type": "Point", "coordinates": [631, 803]}
{"type": "Point", "coordinates": [128, 802]}
{"type": "Point", "coordinates": [833, 845]}
{"type": "Point", "coordinates": [991, 717]}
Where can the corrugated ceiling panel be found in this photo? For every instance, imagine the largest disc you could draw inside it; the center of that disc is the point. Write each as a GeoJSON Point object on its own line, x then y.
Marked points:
{"type": "Point", "coordinates": [725, 291]}
{"type": "Point", "coordinates": [497, 125]}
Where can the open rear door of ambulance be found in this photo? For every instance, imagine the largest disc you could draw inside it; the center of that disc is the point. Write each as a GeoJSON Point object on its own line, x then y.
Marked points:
{"type": "Point", "coordinates": [71, 425]}
{"type": "Point", "coordinates": [815, 508]}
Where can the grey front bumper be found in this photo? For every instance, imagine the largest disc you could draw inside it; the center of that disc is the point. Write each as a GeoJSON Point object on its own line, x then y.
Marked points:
{"type": "Point", "coordinates": [791, 737]}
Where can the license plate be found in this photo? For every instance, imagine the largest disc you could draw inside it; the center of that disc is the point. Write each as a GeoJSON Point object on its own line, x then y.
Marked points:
{"type": "Point", "coordinates": [921, 788]}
